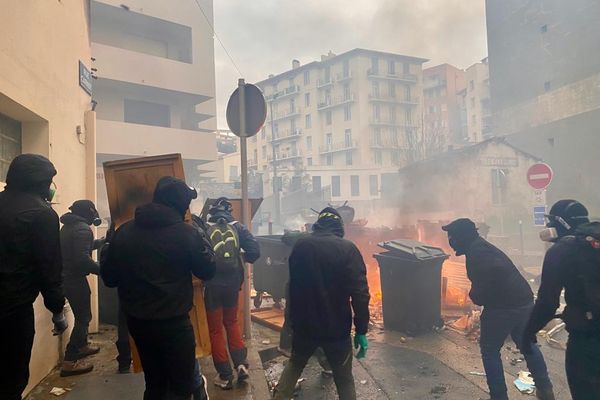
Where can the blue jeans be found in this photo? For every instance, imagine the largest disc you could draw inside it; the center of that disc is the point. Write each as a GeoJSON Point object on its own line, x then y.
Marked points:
{"type": "Point", "coordinates": [496, 326]}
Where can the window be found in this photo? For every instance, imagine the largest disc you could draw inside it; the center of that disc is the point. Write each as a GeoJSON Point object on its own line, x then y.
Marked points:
{"type": "Point", "coordinates": [499, 186]}
{"type": "Point", "coordinates": [377, 137]}
{"type": "Point", "coordinates": [349, 157]}
{"type": "Point", "coordinates": [264, 152]}
{"type": "Point", "coordinates": [407, 93]}
{"type": "Point", "coordinates": [373, 185]}
{"type": "Point", "coordinates": [233, 172]}
{"type": "Point", "coordinates": [309, 161]}
{"type": "Point", "coordinates": [10, 143]}
{"type": "Point", "coordinates": [146, 113]}
{"type": "Point", "coordinates": [396, 157]}
{"type": "Point", "coordinates": [329, 159]}
{"type": "Point", "coordinates": [471, 85]}
{"type": "Point", "coordinates": [374, 65]}
{"type": "Point", "coordinates": [328, 141]}
{"type": "Point", "coordinates": [375, 89]}
{"type": "Point", "coordinates": [263, 133]}
{"type": "Point", "coordinates": [547, 86]}
{"type": "Point", "coordinates": [348, 138]}
{"type": "Point", "coordinates": [408, 117]}
{"type": "Point", "coordinates": [347, 112]}
{"type": "Point", "coordinates": [473, 119]}
{"type": "Point", "coordinates": [392, 90]}
{"type": "Point", "coordinates": [306, 77]}
{"type": "Point", "coordinates": [306, 99]}
{"type": "Point", "coordinates": [307, 121]}
{"type": "Point", "coordinates": [316, 183]}
{"type": "Point", "coordinates": [255, 156]}
{"type": "Point", "coordinates": [275, 130]}
{"type": "Point", "coordinates": [354, 185]}
{"type": "Point", "coordinates": [328, 74]}
{"type": "Point", "coordinates": [293, 126]}
{"type": "Point", "coordinates": [346, 68]}
{"type": "Point", "coordinates": [394, 137]}
{"type": "Point", "coordinates": [391, 67]}
{"type": "Point", "coordinates": [406, 68]}
{"type": "Point", "coordinates": [335, 186]}
{"type": "Point", "coordinates": [309, 142]}
{"type": "Point", "coordinates": [347, 92]}
{"type": "Point", "coordinates": [392, 113]}
{"type": "Point", "coordinates": [328, 118]}
{"type": "Point", "coordinates": [377, 157]}
{"type": "Point", "coordinates": [292, 105]}
{"type": "Point", "coordinates": [544, 28]}
{"type": "Point", "coordinates": [376, 113]}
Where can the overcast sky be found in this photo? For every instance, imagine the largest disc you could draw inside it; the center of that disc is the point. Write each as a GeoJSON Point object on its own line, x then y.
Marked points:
{"type": "Point", "coordinates": [263, 36]}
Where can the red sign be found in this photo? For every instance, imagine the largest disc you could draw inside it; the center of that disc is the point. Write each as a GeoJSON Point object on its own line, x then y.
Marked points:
{"type": "Point", "coordinates": [539, 176]}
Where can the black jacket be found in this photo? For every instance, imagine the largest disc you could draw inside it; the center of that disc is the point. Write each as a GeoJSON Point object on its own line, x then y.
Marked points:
{"type": "Point", "coordinates": [495, 281]}
{"type": "Point", "coordinates": [77, 243]}
{"type": "Point", "coordinates": [151, 260]}
{"type": "Point", "coordinates": [571, 265]}
{"type": "Point", "coordinates": [30, 260]}
{"type": "Point", "coordinates": [327, 277]}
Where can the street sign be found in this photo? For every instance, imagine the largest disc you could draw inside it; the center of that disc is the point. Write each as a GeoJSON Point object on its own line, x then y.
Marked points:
{"type": "Point", "coordinates": [539, 213]}
{"type": "Point", "coordinates": [85, 78]}
{"type": "Point", "coordinates": [539, 176]}
{"type": "Point", "coordinates": [255, 111]}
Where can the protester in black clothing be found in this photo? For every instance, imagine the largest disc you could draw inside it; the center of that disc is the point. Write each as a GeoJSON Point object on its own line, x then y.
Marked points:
{"type": "Point", "coordinates": [572, 264]}
{"type": "Point", "coordinates": [228, 238]}
{"type": "Point", "coordinates": [30, 264]}
{"type": "Point", "coordinates": [507, 301]}
{"type": "Point", "coordinates": [151, 261]}
{"type": "Point", "coordinates": [328, 281]}
{"type": "Point", "coordinates": [77, 244]}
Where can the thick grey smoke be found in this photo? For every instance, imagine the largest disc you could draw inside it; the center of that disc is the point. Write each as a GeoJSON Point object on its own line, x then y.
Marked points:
{"type": "Point", "coordinates": [264, 36]}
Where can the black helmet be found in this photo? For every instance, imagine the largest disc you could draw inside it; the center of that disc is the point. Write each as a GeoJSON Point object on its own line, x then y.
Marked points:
{"type": "Point", "coordinates": [566, 215]}
{"type": "Point", "coordinates": [222, 204]}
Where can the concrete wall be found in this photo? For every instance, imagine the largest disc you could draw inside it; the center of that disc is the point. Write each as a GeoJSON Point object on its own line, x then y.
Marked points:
{"type": "Point", "coordinates": [41, 45]}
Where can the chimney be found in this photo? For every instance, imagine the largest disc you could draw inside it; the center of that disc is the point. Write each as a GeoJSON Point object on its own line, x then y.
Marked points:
{"type": "Point", "coordinates": [295, 64]}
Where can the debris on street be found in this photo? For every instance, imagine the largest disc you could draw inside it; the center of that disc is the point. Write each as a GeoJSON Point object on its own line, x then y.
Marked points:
{"type": "Point", "coordinates": [525, 383]}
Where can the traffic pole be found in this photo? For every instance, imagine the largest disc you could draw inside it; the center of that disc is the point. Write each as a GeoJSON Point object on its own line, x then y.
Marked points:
{"type": "Point", "coordinates": [245, 209]}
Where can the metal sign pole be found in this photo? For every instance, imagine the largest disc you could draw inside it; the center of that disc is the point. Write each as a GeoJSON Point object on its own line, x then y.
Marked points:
{"type": "Point", "coordinates": [245, 211]}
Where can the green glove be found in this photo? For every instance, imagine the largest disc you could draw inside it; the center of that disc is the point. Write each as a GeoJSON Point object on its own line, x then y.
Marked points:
{"type": "Point", "coordinates": [362, 342]}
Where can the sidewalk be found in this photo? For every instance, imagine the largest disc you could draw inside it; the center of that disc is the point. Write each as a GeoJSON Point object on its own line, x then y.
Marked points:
{"type": "Point", "coordinates": [105, 384]}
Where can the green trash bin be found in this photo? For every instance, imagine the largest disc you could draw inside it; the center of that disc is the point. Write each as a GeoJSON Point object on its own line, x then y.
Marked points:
{"type": "Point", "coordinates": [411, 285]}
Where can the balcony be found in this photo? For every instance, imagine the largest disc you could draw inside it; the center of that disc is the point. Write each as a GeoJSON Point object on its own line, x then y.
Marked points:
{"type": "Point", "coordinates": [116, 137]}
{"type": "Point", "coordinates": [288, 134]}
{"type": "Point", "coordinates": [376, 74]}
{"type": "Point", "coordinates": [321, 83]}
{"type": "Point", "coordinates": [413, 101]}
{"type": "Point", "coordinates": [335, 102]}
{"type": "Point", "coordinates": [386, 142]}
{"type": "Point", "coordinates": [290, 91]}
{"type": "Point", "coordinates": [343, 77]}
{"type": "Point", "coordinates": [338, 146]}
{"type": "Point", "coordinates": [115, 64]}
{"type": "Point", "coordinates": [388, 122]}
{"type": "Point", "coordinates": [285, 155]}
{"type": "Point", "coordinates": [292, 112]}
{"type": "Point", "coordinates": [434, 83]}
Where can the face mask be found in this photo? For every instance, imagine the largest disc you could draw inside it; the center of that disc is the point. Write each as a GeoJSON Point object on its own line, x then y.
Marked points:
{"type": "Point", "coordinates": [549, 235]}
{"type": "Point", "coordinates": [51, 192]}
{"type": "Point", "coordinates": [97, 222]}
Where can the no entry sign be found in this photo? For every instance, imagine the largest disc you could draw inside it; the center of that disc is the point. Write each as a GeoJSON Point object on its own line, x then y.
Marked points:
{"type": "Point", "coordinates": [539, 176]}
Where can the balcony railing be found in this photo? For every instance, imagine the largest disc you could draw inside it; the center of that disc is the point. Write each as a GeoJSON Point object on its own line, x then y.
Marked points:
{"type": "Point", "coordinates": [338, 146]}
{"type": "Point", "coordinates": [285, 155]}
{"type": "Point", "coordinates": [287, 134]}
{"type": "Point", "coordinates": [389, 122]}
{"type": "Point", "coordinates": [324, 82]}
{"type": "Point", "coordinates": [292, 90]}
{"type": "Point", "coordinates": [337, 101]}
{"type": "Point", "coordinates": [342, 77]}
{"type": "Point", "coordinates": [413, 101]}
{"type": "Point", "coordinates": [434, 83]}
{"type": "Point", "coordinates": [411, 78]}
{"type": "Point", "coordinates": [386, 142]}
{"type": "Point", "coordinates": [292, 112]}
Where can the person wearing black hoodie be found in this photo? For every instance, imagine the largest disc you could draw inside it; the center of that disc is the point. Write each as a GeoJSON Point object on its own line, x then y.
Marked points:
{"type": "Point", "coordinates": [328, 290]}
{"type": "Point", "coordinates": [507, 301]}
{"type": "Point", "coordinates": [30, 264]}
{"type": "Point", "coordinates": [77, 244]}
{"type": "Point", "coordinates": [151, 261]}
{"type": "Point", "coordinates": [572, 264]}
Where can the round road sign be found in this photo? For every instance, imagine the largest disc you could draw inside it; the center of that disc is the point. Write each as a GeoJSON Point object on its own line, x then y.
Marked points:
{"type": "Point", "coordinates": [256, 110]}
{"type": "Point", "coordinates": [539, 176]}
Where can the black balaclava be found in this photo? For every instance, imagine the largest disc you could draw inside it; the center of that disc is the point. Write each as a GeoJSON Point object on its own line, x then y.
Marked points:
{"type": "Point", "coordinates": [175, 193]}
{"type": "Point", "coordinates": [31, 173]}
{"type": "Point", "coordinates": [569, 212]}
{"type": "Point", "coordinates": [461, 233]}
{"type": "Point", "coordinates": [221, 210]}
{"type": "Point", "coordinates": [329, 221]}
{"type": "Point", "coordinates": [86, 210]}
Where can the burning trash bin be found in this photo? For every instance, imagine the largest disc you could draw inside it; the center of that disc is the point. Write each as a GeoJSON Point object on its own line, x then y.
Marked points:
{"type": "Point", "coordinates": [411, 281]}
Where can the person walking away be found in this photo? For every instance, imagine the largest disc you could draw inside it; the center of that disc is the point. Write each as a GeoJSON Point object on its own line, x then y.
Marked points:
{"type": "Point", "coordinates": [30, 264]}
{"type": "Point", "coordinates": [572, 264]}
{"type": "Point", "coordinates": [507, 301]}
{"type": "Point", "coordinates": [77, 244]}
{"type": "Point", "coordinates": [228, 238]}
{"type": "Point", "coordinates": [328, 282]}
{"type": "Point", "coordinates": [151, 260]}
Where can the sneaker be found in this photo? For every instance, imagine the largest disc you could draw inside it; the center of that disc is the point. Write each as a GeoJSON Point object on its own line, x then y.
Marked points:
{"type": "Point", "coordinates": [224, 383]}
{"type": "Point", "coordinates": [242, 371]}
{"type": "Point", "coordinates": [87, 351]}
{"type": "Point", "coordinates": [71, 368]}
{"type": "Point", "coordinates": [201, 393]}
{"type": "Point", "coordinates": [327, 373]}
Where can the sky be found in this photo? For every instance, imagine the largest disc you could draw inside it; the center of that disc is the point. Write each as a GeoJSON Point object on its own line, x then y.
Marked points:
{"type": "Point", "coordinates": [264, 36]}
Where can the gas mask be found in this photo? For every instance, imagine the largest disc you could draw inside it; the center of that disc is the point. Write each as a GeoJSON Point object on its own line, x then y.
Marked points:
{"type": "Point", "coordinates": [97, 221]}
{"type": "Point", "coordinates": [51, 192]}
{"type": "Point", "coordinates": [550, 233]}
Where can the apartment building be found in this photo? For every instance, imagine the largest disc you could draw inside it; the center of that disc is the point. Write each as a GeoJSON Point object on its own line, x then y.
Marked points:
{"type": "Point", "coordinates": [442, 125]}
{"type": "Point", "coordinates": [45, 108]}
{"type": "Point", "coordinates": [477, 102]}
{"type": "Point", "coordinates": [337, 124]}
{"type": "Point", "coordinates": [155, 90]}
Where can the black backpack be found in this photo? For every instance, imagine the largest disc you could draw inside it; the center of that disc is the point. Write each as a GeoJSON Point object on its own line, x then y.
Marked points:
{"type": "Point", "coordinates": [225, 242]}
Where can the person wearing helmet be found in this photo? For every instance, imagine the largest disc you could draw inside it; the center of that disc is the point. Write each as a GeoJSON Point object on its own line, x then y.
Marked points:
{"type": "Point", "coordinates": [572, 264]}
{"type": "Point", "coordinates": [228, 238]}
{"type": "Point", "coordinates": [30, 264]}
{"type": "Point", "coordinates": [77, 244]}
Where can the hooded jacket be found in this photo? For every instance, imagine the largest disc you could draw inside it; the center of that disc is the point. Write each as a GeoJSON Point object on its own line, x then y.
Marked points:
{"type": "Point", "coordinates": [496, 282]}
{"type": "Point", "coordinates": [77, 243]}
{"type": "Point", "coordinates": [328, 282]}
{"type": "Point", "coordinates": [30, 260]}
{"type": "Point", "coordinates": [150, 260]}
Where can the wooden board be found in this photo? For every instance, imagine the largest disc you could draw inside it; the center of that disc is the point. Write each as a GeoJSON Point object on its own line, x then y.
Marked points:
{"type": "Point", "coordinates": [130, 184]}
{"type": "Point", "coordinates": [270, 317]}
